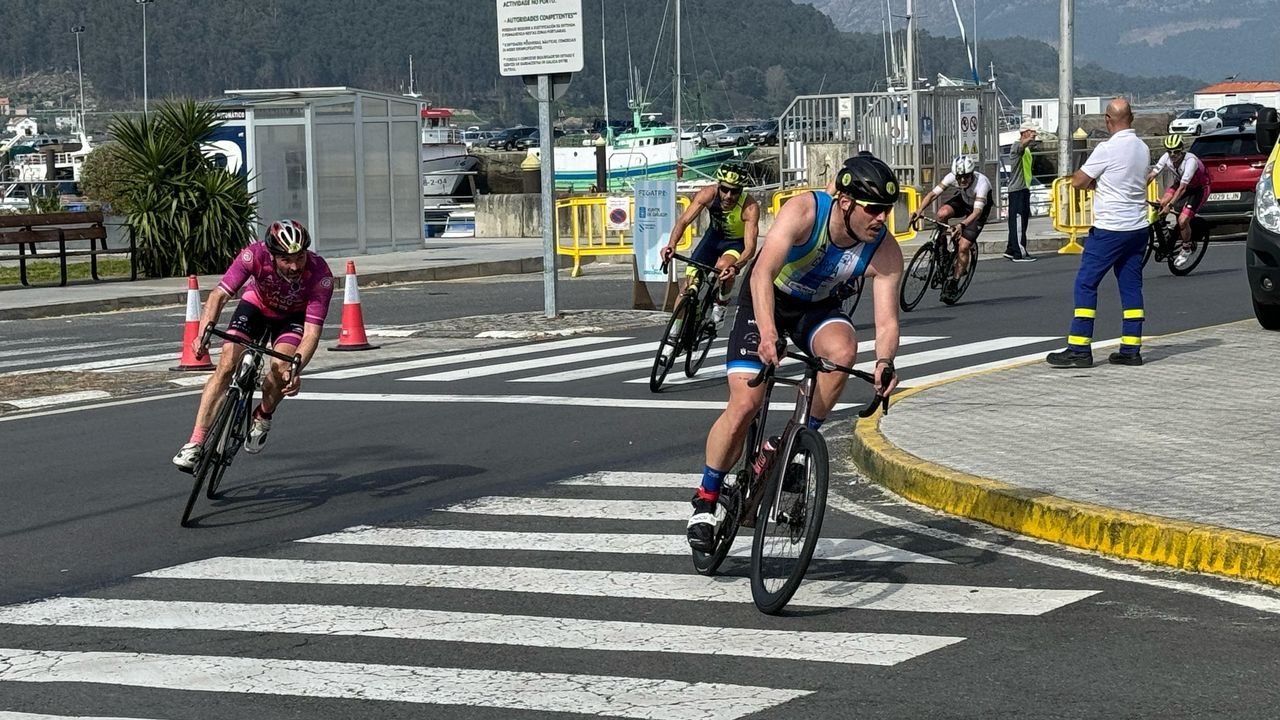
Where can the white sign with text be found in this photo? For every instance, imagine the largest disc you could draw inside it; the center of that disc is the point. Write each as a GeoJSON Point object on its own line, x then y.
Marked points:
{"type": "Point", "coordinates": [539, 37]}
{"type": "Point", "coordinates": [655, 216]}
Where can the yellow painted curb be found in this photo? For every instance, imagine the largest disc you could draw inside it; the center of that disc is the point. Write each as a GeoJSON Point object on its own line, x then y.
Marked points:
{"type": "Point", "coordinates": [1131, 535]}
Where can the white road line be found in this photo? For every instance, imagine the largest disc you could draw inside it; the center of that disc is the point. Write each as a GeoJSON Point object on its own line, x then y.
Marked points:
{"type": "Point", "coordinates": [486, 628]}
{"type": "Point", "coordinates": [647, 698]}
{"type": "Point", "coordinates": [610, 369]}
{"type": "Point", "coordinates": [959, 351]}
{"type": "Point", "coordinates": [617, 543]}
{"type": "Point", "coordinates": [59, 399]}
{"type": "Point", "coordinates": [611, 478]}
{"type": "Point", "coordinates": [903, 597]}
{"type": "Point", "coordinates": [574, 508]}
{"type": "Point", "coordinates": [910, 382]}
{"type": "Point", "coordinates": [638, 404]}
{"type": "Point", "coordinates": [88, 352]}
{"type": "Point", "coordinates": [1256, 601]}
{"type": "Point", "coordinates": [53, 346]}
{"type": "Point", "coordinates": [536, 363]}
{"type": "Point", "coordinates": [114, 364]}
{"type": "Point", "coordinates": [456, 358]}
{"type": "Point", "coordinates": [719, 370]}
{"type": "Point", "coordinates": [96, 406]}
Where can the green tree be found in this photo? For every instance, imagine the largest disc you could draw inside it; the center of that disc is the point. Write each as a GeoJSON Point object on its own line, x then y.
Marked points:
{"type": "Point", "coordinates": [104, 176]}
{"type": "Point", "coordinates": [190, 216]}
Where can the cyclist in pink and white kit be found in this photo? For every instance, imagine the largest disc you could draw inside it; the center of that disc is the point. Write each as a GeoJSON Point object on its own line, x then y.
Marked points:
{"type": "Point", "coordinates": [287, 292]}
{"type": "Point", "coordinates": [1189, 193]}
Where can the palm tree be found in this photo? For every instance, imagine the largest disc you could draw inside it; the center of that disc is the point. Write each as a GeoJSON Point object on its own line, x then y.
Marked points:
{"type": "Point", "coordinates": [190, 215]}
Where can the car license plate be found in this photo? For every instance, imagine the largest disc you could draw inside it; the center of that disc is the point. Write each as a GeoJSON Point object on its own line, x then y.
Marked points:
{"type": "Point", "coordinates": [1220, 197]}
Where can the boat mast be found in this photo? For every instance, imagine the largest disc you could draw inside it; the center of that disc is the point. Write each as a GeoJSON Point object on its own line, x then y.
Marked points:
{"type": "Point", "coordinates": [679, 127]}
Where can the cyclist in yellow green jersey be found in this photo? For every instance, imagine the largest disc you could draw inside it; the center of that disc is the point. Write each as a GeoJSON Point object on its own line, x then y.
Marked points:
{"type": "Point", "coordinates": [730, 240]}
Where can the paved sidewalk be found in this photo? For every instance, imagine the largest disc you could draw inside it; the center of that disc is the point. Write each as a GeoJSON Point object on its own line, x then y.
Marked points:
{"type": "Point", "coordinates": [442, 259]}
{"type": "Point", "coordinates": [1172, 463]}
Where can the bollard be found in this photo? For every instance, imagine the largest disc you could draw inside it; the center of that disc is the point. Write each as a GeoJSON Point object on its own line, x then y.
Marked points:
{"type": "Point", "coordinates": [1079, 149]}
{"type": "Point", "coordinates": [531, 174]}
{"type": "Point", "coordinates": [602, 166]}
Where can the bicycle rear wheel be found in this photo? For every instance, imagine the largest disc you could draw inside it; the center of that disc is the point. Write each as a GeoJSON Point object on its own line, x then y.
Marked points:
{"type": "Point", "coordinates": [916, 279]}
{"type": "Point", "coordinates": [729, 504]}
{"type": "Point", "coordinates": [701, 336]}
{"type": "Point", "coordinates": [1183, 265]}
{"type": "Point", "coordinates": [789, 523]}
{"type": "Point", "coordinates": [669, 348]}
{"type": "Point", "coordinates": [210, 461]}
{"type": "Point", "coordinates": [968, 277]}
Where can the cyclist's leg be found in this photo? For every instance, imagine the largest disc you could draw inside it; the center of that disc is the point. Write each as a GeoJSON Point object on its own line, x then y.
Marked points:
{"type": "Point", "coordinates": [967, 238]}
{"type": "Point", "coordinates": [1190, 203]}
{"type": "Point", "coordinates": [246, 320]}
{"type": "Point", "coordinates": [286, 335]}
{"type": "Point", "coordinates": [730, 251]}
{"type": "Point", "coordinates": [829, 334]}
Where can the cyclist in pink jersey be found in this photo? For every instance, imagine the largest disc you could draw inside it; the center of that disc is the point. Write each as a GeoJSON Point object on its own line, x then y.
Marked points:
{"type": "Point", "coordinates": [287, 289]}
{"type": "Point", "coordinates": [1189, 192]}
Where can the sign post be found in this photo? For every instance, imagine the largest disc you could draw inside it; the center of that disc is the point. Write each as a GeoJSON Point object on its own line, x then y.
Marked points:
{"type": "Point", "coordinates": [969, 127]}
{"type": "Point", "coordinates": [541, 41]}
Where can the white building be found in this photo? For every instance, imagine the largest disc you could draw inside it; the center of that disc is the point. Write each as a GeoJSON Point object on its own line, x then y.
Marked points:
{"type": "Point", "coordinates": [1249, 91]}
{"type": "Point", "coordinates": [22, 126]}
{"type": "Point", "coordinates": [1044, 111]}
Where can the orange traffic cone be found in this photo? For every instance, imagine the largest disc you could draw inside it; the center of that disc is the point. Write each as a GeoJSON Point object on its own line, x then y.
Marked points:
{"type": "Point", "coordinates": [352, 336]}
{"type": "Point", "coordinates": [192, 331]}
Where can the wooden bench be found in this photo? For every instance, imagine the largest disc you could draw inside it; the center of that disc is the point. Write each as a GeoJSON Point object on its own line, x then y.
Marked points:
{"type": "Point", "coordinates": [63, 227]}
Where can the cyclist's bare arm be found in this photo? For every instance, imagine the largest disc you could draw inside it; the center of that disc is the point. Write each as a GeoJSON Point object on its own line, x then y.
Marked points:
{"type": "Point", "coordinates": [886, 274]}
{"type": "Point", "coordinates": [700, 200]}
{"type": "Point", "coordinates": [791, 228]}
{"type": "Point", "coordinates": [751, 232]}
{"type": "Point", "coordinates": [306, 349]}
{"type": "Point", "coordinates": [212, 310]}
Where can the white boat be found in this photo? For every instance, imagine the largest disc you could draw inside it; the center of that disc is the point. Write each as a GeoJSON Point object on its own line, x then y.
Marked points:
{"type": "Point", "coordinates": [30, 158]}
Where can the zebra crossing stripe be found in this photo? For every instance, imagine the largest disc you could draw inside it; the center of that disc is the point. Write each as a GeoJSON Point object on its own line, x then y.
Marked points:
{"type": "Point", "coordinates": [648, 698]}
{"type": "Point", "coordinates": [860, 648]}
{"type": "Point", "coordinates": [456, 358]}
{"type": "Point", "coordinates": [788, 364]}
{"type": "Point", "coordinates": [617, 543]}
{"type": "Point", "coordinates": [902, 597]}
{"type": "Point", "coordinates": [959, 351]}
{"type": "Point", "coordinates": [52, 346]}
{"type": "Point", "coordinates": [574, 508]}
{"type": "Point", "coordinates": [911, 382]}
{"type": "Point", "coordinates": [536, 363]}
{"type": "Point", "coordinates": [33, 716]}
{"type": "Point", "coordinates": [610, 369]}
{"type": "Point", "coordinates": [609, 478]}
{"type": "Point", "coordinates": [631, 403]}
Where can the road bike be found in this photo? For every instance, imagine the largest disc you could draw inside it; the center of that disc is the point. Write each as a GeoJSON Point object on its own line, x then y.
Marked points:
{"type": "Point", "coordinates": [1164, 242]}
{"type": "Point", "coordinates": [850, 293]}
{"type": "Point", "coordinates": [781, 493]}
{"type": "Point", "coordinates": [931, 267]}
{"type": "Point", "coordinates": [231, 422]}
{"type": "Point", "coordinates": [693, 317]}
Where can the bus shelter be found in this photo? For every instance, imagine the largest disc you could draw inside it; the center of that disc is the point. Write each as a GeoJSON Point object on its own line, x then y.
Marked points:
{"type": "Point", "coordinates": [343, 160]}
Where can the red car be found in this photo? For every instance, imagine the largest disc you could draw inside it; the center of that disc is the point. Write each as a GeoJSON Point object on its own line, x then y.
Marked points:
{"type": "Point", "coordinates": [1234, 162]}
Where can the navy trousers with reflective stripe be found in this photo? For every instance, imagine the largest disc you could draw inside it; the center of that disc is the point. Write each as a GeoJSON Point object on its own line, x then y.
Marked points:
{"type": "Point", "coordinates": [1121, 252]}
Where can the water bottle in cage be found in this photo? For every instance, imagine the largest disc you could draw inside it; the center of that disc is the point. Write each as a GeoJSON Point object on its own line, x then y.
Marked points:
{"type": "Point", "coordinates": [765, 457]}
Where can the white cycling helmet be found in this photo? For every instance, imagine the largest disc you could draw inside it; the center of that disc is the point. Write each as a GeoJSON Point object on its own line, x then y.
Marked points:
{"type": "Point", "coordinates": [963, 165]}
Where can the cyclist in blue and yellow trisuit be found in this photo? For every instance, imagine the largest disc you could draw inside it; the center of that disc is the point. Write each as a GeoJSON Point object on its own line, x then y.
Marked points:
{"type": "Point", "coordinates": [730, 240]}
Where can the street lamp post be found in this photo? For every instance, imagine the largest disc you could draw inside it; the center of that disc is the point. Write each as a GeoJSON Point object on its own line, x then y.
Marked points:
{"type": "Point", "coordinates": [144, 4]}
{"type": "Point", "coordinates": [76, 30]}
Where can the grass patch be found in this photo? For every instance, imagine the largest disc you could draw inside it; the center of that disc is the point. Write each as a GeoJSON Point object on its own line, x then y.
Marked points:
{"type": "Point", "coordinates": [43, 271]}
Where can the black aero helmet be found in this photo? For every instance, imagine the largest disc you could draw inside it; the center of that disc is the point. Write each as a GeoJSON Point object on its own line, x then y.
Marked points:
{"type": "Point", "coordinates": [869, 179]}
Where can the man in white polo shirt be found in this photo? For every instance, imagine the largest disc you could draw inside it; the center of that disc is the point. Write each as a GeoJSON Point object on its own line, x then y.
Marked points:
{"type": "Point", "coordinates": [1117, 173]}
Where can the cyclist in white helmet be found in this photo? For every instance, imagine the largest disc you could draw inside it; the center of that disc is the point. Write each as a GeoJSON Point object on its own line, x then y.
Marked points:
{"type": "Point", "coordinates": [972, 203]}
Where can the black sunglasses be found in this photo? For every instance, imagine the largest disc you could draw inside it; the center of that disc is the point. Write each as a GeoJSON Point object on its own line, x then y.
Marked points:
{"type": "Point", "coordinates": [729, 190]}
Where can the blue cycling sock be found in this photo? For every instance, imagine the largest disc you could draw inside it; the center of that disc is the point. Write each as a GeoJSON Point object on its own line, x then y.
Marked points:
{"type": "Point", "coordinates": [815, 423]}
{"type": "Point", "coordinates": [711, 479]}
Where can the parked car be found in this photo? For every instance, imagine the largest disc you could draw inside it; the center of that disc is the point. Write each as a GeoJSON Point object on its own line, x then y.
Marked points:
{"type": "Point", "coordinates": [734, 135]}
{"type": "Point", "coordinates": [764, 134]}
{"type": "Point", "coordinates": [706, 132]}
{"type": "Point", "coordinates": [476, 137]}
{"type": "Point", "coordinates": [1234, 162]}
{"type": "Point", "coordinates": [506, 139]}
{"type": "Point", "coordinates": [1262, 247]}
{"type": "Point", "coordinates": [534, 138]}
{"type": "Point", "coordinates": [1239, 114]}
{"type": "Point", "coordinates": [1195, 122]}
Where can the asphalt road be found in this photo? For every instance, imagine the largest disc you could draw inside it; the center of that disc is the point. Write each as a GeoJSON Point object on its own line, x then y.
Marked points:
{"type": "Point", "coordinates": [522, 592]}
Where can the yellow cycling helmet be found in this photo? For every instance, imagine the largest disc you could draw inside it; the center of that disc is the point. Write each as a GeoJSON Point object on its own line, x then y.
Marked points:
{"type": "Point", "coordinates": [1173, 142]}
{"type": "Point", "coordinates": [731, 174]}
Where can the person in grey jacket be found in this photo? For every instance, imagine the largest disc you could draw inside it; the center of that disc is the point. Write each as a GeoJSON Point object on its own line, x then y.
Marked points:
{"type": "Point", "coordinates": [1020, 193]}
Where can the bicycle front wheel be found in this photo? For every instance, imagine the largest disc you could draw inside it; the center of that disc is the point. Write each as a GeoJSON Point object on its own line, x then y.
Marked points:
{"type": "Point", "coordinates": [210, 459]}
{"type": "Point", "coordinates": [1183, 263]}
{"type": "Point", "coordinates": [701, 336]}
{"type": "Point", "coordinates": [915, 282]}
{"type": "Point", "coordinates": [237, 429]}
{"type": "Point", "coordinates": [669, 345]}
{"type": "Point", "coordinates": [789, 522]}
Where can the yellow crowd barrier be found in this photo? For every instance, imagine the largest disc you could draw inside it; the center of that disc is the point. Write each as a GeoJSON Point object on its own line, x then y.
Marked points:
{"type": "Point", "coordinates": [899, 223]}
{"type": "Point", "coordinates": [583, 229]}
{"type": "Point", "coordinates": [1072, 211]}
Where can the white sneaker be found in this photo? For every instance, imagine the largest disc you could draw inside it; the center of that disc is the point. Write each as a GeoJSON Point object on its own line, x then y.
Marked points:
{"type": "Point", "coordinates": [257, 435]}
{"type": "Point", "coordinates": [187, 457]}
{"type": "Point", "coordinates": [717, 314]}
